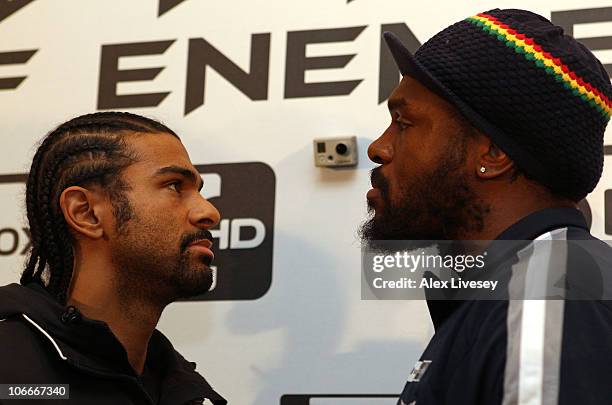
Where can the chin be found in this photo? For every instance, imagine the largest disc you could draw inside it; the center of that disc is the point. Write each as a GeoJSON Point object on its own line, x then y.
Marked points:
{"type": "Point", "coordinates": [196, 280]}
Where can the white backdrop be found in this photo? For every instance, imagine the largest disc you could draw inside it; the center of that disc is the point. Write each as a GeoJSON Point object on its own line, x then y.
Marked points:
{"type": "Point", "coordinates": [310, 333]}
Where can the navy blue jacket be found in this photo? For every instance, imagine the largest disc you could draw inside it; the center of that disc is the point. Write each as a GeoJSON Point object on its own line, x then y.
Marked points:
{"type": "Point", "coordinates": [515, 351]}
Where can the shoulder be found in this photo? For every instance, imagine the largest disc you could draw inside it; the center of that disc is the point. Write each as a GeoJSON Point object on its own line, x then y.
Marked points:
{"type": "Point", "coordinates": [25, 356]}
{"type": "Point", "coordinates": [15, 333]}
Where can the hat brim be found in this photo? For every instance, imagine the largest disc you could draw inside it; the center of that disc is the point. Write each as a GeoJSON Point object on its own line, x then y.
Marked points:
{"type": "Point", "coordinates": [410, 66]}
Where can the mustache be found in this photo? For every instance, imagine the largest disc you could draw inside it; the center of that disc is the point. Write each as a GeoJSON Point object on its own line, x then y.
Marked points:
{"type": "Point", "coordinates": [190, 238]}
{"type": "Point", "coordinates": [379, 181]}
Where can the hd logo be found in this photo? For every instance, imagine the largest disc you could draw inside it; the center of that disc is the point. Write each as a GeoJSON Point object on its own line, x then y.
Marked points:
{"type": "Point", "coordinates": [244, 193]}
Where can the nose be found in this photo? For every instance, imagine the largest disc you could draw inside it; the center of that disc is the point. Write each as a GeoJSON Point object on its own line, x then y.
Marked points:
{"type": "Point", "coordinates": [381, 151]}
{"type": "Point", "coordinates": [204, 215]}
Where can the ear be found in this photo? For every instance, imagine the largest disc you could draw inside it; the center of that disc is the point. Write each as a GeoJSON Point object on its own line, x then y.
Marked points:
{"type": "Point", "coordinates": [83, 210]}
{"type": "Point", "coordinates": [493, 162]}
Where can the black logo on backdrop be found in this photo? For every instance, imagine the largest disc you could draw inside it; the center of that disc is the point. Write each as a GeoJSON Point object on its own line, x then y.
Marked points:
{"type": "Point", "coordinates": [244, 193]}
{"type": "Point", "coordinates": [167, 5]}
{"type": "Point", "coordinates": [8, 7]}
{"type": "Point", "coordinates": [253, 82]}
{"type": "Point", "coordinates": [14, 58]}
{"type": "Point", "coordinates": [304, 399]}
{"type": "Point", "coordinates": [244, 237]}
{"type": "Point", "coordinates": [110, 75]}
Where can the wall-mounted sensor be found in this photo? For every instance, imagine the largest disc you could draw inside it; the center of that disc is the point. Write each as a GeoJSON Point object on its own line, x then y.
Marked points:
{"type": "Point", "coordinates": [335, 152]}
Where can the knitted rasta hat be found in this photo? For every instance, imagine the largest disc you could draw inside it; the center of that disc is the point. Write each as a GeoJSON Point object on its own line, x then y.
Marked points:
{"type": "Point", "coordinates": [540, 95]}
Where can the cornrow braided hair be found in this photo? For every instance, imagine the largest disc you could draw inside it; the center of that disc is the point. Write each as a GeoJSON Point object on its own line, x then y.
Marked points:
{"type": "Point", "coordinates": [86, 150]}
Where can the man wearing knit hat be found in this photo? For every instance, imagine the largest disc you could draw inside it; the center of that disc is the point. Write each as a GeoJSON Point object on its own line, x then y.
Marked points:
{"type": "Point", "coordinates": [496, 134]}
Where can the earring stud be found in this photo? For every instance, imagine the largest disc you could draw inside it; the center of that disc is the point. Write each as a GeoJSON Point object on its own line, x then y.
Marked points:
{"type": "Point", "coordinates": [482, 169]}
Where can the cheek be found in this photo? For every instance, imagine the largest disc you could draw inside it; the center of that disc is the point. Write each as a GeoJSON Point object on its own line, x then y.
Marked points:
{"type": "Point", "coordinates": [159, 224]}
{"type": "Point", "coordinates": [398, 183]}
{"type": "Point", "coordinates": [405, 167]}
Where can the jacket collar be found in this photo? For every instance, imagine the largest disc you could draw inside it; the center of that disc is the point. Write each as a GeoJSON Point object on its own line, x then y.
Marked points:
{"type": "Point", "coordinates": [526, 229]}
{"type": "Point", "coordinates": [539, 222]}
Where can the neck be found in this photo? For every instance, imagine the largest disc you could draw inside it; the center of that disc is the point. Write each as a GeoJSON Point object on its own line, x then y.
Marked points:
{"type": "Point", "coordinates": [131, 318]}
{"type": "Point", "coordinates": [505, 209]}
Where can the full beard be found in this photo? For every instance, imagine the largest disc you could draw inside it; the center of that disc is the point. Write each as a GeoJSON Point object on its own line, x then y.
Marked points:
{"type": "Point", "coordinates": [437, 206]}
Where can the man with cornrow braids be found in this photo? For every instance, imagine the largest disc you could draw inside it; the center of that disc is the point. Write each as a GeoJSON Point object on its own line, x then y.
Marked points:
{"type": "Point", "coordinates": [119, 231]}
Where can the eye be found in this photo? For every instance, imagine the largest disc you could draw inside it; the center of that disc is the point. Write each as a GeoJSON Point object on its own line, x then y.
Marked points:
{"type": "Point", "coordinates": [175, 186]}
{"type": "Point", "coordinates": [402, 124]}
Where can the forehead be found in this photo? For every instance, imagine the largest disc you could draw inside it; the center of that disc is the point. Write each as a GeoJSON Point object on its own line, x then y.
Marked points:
{"type": "Point", "coordinates": [411, 94]}
{"type": "Point", "coordinates": [158, 150]}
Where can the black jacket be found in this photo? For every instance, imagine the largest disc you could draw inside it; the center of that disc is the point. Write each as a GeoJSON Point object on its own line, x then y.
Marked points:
{"type": "Point", "coordinates": [512, 351]}
{"type": "Point", "coordinates": [42, 342]}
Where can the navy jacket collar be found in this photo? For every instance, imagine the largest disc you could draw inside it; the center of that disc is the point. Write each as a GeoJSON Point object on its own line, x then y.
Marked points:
{"type": "Point", "coordinates": [527, 228]}
{"type": "Point", "coordinates": [539, 222]}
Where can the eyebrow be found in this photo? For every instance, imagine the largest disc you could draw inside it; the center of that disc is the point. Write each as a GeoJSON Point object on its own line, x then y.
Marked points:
{"type": "Point", "coordinates": [183, 171]}
{"type": "Point", "coordinates": [395, 103]}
